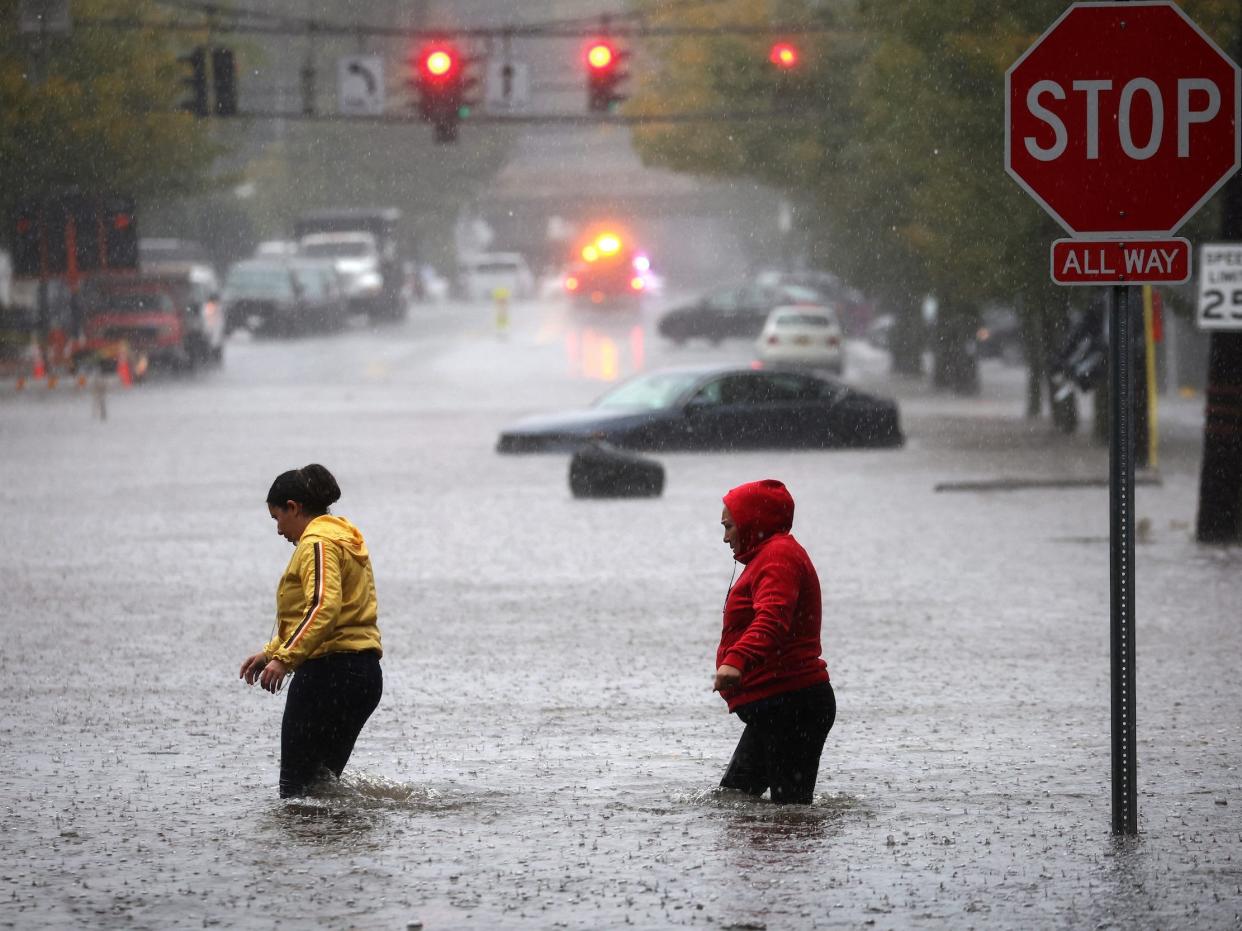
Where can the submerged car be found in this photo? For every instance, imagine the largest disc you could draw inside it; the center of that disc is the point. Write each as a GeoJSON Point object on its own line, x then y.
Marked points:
{"type": "Point", "coordinates": [717, 407]}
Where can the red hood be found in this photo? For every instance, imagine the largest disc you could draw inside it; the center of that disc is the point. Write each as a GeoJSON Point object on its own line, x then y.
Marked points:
{"type": "Point", "coordinates": [760, 510]}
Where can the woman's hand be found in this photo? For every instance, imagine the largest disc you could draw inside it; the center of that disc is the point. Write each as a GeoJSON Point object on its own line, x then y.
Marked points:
{"type": "Point", "coordinates": [727, 679]}
{"type": "Point", "coordinates": [273, 676]}
{"type": "Point", "coordinates": [251, 667]}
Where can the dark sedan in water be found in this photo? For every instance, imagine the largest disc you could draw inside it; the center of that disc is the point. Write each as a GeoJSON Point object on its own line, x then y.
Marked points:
{"type": "Point", "coordinates": [721, 407]}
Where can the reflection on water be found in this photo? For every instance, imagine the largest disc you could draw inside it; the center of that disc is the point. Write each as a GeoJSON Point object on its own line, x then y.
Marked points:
{"type": "Point", "coordinates": [604, 356]}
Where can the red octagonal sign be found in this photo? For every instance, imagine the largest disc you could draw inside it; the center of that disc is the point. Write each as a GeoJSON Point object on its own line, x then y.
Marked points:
{"type": "Point", "coordinates": [1122, 119]}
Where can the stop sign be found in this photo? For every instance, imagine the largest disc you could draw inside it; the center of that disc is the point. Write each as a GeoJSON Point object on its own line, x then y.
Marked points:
{"type": "Point", "coordinates": [1122, 118]}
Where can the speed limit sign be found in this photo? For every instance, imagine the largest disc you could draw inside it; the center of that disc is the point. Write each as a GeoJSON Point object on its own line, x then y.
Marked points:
{"type": "Point", "coordinates": [1220, 287]}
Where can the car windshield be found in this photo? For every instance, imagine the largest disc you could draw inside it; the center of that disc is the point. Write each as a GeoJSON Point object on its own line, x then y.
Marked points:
{"type": "Point", "coordinates": [795, 320]}
{"type": "Point", "coordinates": [655, 391]}
{"type": "Point", "coordinates": [134, 302]}
{"type": "Point", "coordinates": [793, 292]}
{"type": "Point", "coordinates": [256, 281]}
{"type": "Point", "coordinates": [338, 250]}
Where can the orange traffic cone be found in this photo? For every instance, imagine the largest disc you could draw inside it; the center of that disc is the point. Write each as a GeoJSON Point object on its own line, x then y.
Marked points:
{"type": "Point", "coordinates": [123, 371]}
{"type": "Point", "coordinates": [39, 369]}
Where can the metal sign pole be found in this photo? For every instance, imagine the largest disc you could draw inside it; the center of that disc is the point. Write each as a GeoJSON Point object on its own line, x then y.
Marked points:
{"type": "Point", "coordinates": [1121, 548]}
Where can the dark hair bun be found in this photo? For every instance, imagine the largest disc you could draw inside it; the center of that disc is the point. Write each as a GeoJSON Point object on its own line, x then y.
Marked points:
{"type": "Point", "coordinates": [321, 488]}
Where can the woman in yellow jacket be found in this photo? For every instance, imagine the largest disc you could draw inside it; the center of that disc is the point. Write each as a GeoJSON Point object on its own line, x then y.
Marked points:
{"type": "Point", "coordinates": [326, 631]}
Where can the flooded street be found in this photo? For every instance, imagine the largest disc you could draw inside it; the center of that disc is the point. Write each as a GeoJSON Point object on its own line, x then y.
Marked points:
{"type": "Point", "coordinates": [547, 747]}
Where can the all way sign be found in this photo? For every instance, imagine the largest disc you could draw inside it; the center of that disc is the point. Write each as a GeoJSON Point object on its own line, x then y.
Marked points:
{"type": "Point", "coordinates": [1098, 262]}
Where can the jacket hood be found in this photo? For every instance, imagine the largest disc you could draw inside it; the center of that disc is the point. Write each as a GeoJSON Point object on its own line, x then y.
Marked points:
{"type": "Point", "coordinates": [340, 531]}
{"type": "Point", "coordinates": [760, 510]}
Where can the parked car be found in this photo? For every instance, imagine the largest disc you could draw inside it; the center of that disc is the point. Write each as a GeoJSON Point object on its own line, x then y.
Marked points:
{"type": "Point", "coordinates": [853, 309]}
{"type": "Point", "coordinates": [482, 275]}
{"type": "Point", "coordinates": [803, 335]}
{"type": "Point", "coordinates": [172, 316]}
{"type": "Point", "coordinates": [325, 305]}
{"type": "Point", "coordinates": [731, 313]}
{"type": "Point", "coordinates": [263, 294]}
{"type": "Point", "coordinates": [717, 407]}
{"type": "Point", "coordinates": [1000, 335]}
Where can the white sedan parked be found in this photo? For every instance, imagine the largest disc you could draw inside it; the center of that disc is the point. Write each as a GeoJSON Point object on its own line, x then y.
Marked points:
{"type": "Point", "coordinates": [803, 335]}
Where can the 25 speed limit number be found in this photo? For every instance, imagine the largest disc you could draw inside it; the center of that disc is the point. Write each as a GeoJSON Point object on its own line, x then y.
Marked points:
{"type": "Point", "coordinates": [1220, 287]}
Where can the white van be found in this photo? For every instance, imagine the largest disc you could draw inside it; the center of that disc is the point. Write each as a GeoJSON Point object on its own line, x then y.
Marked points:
{"type": "Point", "coordinates": [482, 276]}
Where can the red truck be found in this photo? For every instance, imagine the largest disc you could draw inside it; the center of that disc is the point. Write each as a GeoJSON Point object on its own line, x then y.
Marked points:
{"type": "Point", "coordinates": [170, 317]}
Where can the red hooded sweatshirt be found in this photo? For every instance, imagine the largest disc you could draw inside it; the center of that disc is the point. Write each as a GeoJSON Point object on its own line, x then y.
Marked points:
{"type": "Point", "coordinates": [772, 613]}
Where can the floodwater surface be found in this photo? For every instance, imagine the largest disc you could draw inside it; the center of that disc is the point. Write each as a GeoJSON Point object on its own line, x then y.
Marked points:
{"type": "Point", "coordinates": [546, 751]}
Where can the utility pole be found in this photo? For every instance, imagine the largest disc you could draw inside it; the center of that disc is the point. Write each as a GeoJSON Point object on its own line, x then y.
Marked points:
{"type": "Point", "coordinates": [1220, 478]}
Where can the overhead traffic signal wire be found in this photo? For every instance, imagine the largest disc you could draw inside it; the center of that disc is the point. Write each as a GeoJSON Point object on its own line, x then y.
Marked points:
{"type": "Point", "coordinates": [566, 119]}
{"type": "Point", "coordinates": [588, 22]}
{"type": "Point", "coordinates": [298, 26]}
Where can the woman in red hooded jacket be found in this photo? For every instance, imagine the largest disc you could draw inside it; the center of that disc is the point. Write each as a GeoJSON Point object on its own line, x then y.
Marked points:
{"type": "Point", "coordinates": [768, 665]}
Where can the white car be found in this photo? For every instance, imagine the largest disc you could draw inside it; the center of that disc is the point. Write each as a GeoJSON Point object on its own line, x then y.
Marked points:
{"type": "Point", "coordinates": [482, 276]}
{"type": "Point", "coordinates": [803, 335]}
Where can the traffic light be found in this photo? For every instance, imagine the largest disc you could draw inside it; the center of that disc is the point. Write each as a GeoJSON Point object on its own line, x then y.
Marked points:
{"type": "Point", "coordinates": [605, 71]}
{"type": "Point", "coordinates": [88, 244]}
{"type": "Point", "coordinates": [784, 55]}
{"type": "Point", "coordinates": [120, 233]}
{"type": "Point", "coordinates": [196, 82]}
{"type": "Point", "coordinates": [786, 59]}
{"type": "Point", "coordinates": [26, 227]}
{"type": "Point", "coordinates": [224, 80]}
{"type": "Point", "coordinates": [442, 86]}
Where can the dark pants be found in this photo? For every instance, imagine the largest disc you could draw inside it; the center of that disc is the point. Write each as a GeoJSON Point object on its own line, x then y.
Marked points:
{"type": "Point", "coordinates": [782, 743]}
{"type": "Point", "coordinates": [329, 700]}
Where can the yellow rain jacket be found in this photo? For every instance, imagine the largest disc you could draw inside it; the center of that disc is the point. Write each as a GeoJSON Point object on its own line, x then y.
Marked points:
{"type": "Point", "coordinates": [326, 599]}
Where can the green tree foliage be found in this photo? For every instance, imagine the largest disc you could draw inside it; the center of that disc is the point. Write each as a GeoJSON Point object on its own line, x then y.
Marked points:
{"type": "Point", "coordinates": [96, 110]}
{"type": "Point", "coordinates": [898, 152]}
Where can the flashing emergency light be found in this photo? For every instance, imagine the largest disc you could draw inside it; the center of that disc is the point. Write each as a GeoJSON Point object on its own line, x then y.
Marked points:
{"type": "Point", "coordinates": [590, 252]}
{"type": "Point", "coordinates": [608, 244]}
{"type": "Point", "coordinates": [784, 55]}
{"type": "Point", "coordinates": [642, 263]}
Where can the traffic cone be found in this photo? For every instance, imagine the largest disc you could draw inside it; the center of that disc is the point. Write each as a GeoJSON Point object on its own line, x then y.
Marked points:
{"type": "Point", "coordinates": [123, 371]}
{"type": "Point", "coordinates": [39, 369]}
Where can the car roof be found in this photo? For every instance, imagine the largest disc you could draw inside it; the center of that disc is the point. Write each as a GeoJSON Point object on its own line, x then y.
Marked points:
{"type": "Point", "coordinates": [708, 370]}
{"type": "Point", "coordinates": [342, 236]}
{"type": "Point", "coordinates": [278, 263]}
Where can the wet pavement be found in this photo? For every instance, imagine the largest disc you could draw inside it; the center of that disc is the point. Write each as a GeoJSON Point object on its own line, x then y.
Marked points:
{"type": "Point", "coordinates": [546, 749]}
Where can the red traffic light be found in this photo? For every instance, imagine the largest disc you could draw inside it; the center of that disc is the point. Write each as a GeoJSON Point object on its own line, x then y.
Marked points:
{"type": "Point", "coordinates": [438, 62]}
{"type": "Point", "coordinates": [600, 56]}
{"type": "Point", "coordinates": [783, 55]}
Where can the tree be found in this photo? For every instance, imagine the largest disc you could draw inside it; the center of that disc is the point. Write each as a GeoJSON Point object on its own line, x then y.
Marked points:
{"type": "Point", "coordinates": [899, 145]}
{"type": "Point", "coordinates": [96, 111]}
